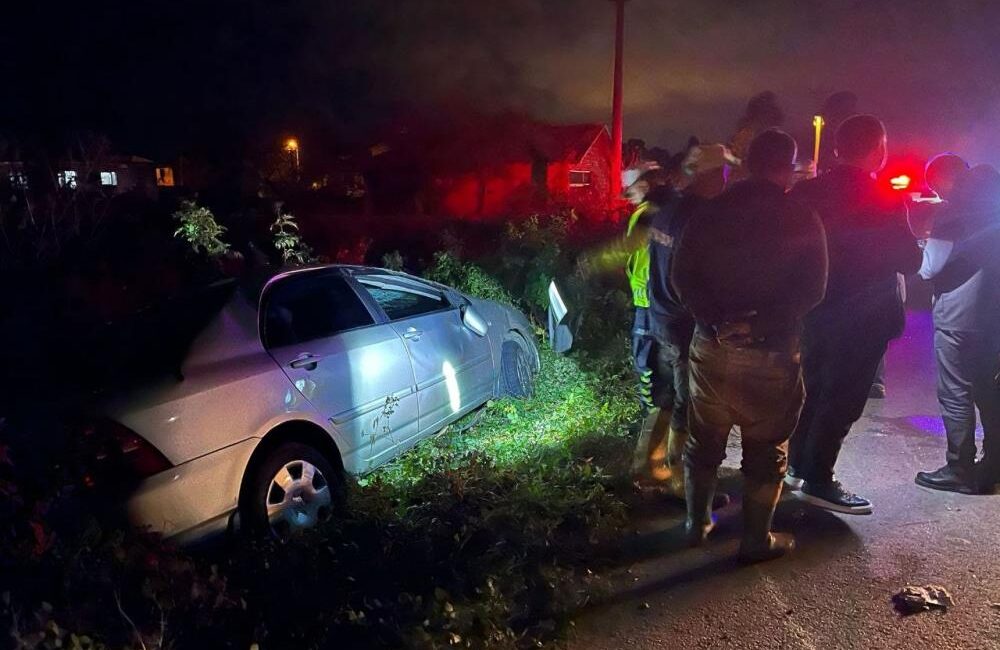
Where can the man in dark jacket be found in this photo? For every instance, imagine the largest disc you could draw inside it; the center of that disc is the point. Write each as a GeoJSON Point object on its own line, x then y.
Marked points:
{"type": "Point", "coordinates": [749, 266]}
{"type": "Point", "coordinates": [960, 257]}
{"type": "Point", "coordinates": [847, 335]}
{"type": "Point", "coordinates": [702, 176]}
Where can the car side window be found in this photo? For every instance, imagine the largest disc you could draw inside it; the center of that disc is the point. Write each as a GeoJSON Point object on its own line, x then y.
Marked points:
{"type": "Point", "coordinates": [314, 306]}
{"type": "Point", "coordinates": [399, 303]}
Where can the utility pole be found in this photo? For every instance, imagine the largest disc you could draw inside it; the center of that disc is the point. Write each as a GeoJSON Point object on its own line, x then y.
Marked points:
{"type": "Point", "coordinates": [616, 106]}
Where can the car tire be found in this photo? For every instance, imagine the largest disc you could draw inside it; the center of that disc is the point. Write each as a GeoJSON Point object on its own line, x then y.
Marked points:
{"type": "Point", "coordinates": [293, 488]}
{"type": "Point", "coordinates": [516, 370]}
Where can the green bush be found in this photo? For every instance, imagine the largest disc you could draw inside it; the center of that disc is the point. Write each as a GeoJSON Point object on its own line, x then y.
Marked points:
{"type": "Point", "coordinates": [467, 278]}
{"type": "Point", "coordinates": [393, 261]}
{"type": "Point", "coordinates": [200, 229]}
{"type": "Point", "coordinates": [529, 255]}
{"type": "Point", "coordinates": [289, 243]}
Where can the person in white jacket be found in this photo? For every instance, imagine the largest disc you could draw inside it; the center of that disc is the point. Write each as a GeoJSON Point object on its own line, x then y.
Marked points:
{"type": "Point", "coordinates": [959, 257]}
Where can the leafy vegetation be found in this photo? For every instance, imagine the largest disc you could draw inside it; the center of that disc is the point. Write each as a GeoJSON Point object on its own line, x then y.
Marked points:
{"type": "Point", "coordinates": [479, 537]}
{"type": "Point", "coordinates": [288, 241]}
{"type": "Point", "coordinates": [393, 261]}
{"type": "Point", "coordinates": [468, 278]}
{"type": "Point", "coordinates": [200, 229]}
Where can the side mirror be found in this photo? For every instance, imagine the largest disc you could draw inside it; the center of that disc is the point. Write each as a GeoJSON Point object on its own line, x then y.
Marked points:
{"type": "Point", "coordinates": [474, 320]}
{"type": "Point", "coordinates": [560, 335]}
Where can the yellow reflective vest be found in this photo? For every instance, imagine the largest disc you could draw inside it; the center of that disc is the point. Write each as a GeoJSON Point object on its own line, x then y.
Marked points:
{"type": "Point", "coordinates": [637, 266]}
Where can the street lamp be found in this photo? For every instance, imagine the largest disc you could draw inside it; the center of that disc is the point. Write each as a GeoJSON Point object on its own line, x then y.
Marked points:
{"type": "Point", "coordinates": [292, 147]}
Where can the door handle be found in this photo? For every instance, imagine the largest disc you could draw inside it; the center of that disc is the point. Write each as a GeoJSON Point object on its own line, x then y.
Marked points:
{"type": "Point", "coordinates": [307, 361]}
{"type": "Point", "coordinates": [412, 334]}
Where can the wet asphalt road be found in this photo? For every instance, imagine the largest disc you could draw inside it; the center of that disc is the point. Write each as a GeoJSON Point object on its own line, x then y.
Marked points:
{"type": "Point", "coordinates": [835, 592]}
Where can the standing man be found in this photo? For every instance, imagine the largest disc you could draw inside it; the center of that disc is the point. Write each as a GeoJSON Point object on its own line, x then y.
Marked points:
{"type": "Point", "coordinates": [847, 335]}
{"type": "Point", "coordinates": [940, 173]}
{"type": "Point", "coordinates": [960, 258]}
{"type": "Point", "coordinates": [749, 266]}
{"type": "Point", "coordinates": [632, 252]}
{"type": "Point", "coordinates": [649, 462]}
{"type": "Point", "coordinates": [701, 175]}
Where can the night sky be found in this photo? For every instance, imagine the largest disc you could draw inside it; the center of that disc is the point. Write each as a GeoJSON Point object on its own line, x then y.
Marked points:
{"type": "Point", "coordinates": [166, 75]}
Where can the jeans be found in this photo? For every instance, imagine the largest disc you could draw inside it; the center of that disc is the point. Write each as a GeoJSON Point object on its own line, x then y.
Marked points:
{"type": "Point", "coordinates": [760, 390]}
{"type": "Point", "coordinates": [839, 363]}
{"type": "Point", "coordinates": [965, 381]}
{"type": "Point", "coordinates": [661, 361]}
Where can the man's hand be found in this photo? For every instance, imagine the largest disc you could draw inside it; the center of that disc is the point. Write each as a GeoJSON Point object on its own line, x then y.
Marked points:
{"type": "Point", "coordinates": [736, 332]}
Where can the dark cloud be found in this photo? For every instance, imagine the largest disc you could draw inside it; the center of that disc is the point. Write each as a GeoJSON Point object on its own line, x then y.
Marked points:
{"type": "Point", "coordinates": [186, 69]}
{"type": "Point", "coordinates": [927, 67]}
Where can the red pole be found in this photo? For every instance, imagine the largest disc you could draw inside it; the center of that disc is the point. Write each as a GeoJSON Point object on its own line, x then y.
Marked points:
{"type": "Point", "coordinates": [616, 110]}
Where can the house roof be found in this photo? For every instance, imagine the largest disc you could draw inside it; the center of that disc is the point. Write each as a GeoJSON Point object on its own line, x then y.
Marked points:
{"type": "Point", "coordinates": [565, 143]}
{"type": "Point", "coordinates": [131, 159]}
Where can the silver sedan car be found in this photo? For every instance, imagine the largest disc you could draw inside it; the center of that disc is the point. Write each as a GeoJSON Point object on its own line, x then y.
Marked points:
{"type": "Point", "coordinates": [313, 375]}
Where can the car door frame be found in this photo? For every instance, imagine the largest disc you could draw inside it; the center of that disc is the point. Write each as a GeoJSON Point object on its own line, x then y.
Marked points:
{"type": "Point", "coordinates": [379, 319]}
{"type": "Point", "coordinates": [455, 301]}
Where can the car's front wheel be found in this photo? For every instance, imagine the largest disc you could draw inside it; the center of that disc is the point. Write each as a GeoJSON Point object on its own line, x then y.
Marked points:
{"type": "Point", "coordinates": [516, 369]}
{"type": "Point", "coordinates": [294, 488]}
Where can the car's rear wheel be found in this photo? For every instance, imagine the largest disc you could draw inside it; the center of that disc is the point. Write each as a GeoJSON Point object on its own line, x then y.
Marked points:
{"type": "Point", "coordinates": [516, 369]}
{"type": "Point", "coordinates": [294, 488]}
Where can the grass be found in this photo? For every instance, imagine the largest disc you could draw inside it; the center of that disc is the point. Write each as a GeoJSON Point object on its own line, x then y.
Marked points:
{"type": "Point", "coordinates": [476, 538]}
{"type": "Point", "coordinates": [570, 406]}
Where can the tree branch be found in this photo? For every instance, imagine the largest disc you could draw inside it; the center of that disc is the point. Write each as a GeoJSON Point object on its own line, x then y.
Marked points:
{"type": "Point", "coordinates": [135, 630]}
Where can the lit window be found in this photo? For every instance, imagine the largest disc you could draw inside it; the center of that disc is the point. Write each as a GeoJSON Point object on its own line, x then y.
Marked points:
{"type": "Point", "coordinates": [109, 178]}
{"type": "Point", "coordinates": [67, 179]}
{"type": "Point", "coordinates": [579, 178]}
{"type": "Point", "coordinates": [165, 176]}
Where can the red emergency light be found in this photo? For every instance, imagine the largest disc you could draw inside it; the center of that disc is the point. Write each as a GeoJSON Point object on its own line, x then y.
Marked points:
{"type": "Point", "coordinates": [900, 182]}
{"type": "Point", "coordinates": [903, 173]}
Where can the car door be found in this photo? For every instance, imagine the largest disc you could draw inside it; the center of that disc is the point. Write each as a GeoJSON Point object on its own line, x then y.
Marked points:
{"type": "Point", "coordinates": [453, 365]}
{"type": "Point", "coordinates": [349, 363]}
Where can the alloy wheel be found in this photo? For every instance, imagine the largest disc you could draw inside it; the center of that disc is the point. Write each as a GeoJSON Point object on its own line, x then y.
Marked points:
{"type": "Point", "coordinates": [298, 497]}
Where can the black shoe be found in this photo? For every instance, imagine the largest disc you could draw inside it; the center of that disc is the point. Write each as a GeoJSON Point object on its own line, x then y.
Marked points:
{"type": "Point", "coordinates": [877, 391]}
{"type": "Point", "coordinates": [948, 479]}
{"type": "Point", "coordinates": [986, 476]}
{"type": "Point", "coordinates": [833, 496]}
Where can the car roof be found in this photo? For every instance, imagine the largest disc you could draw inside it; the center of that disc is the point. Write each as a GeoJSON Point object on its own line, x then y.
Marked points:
{"type": "Point", "coordinates": [254, 287]}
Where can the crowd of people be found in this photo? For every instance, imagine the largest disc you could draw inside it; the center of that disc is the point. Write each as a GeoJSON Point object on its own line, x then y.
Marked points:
{"type": "Point", "coordinates": [767, 303]}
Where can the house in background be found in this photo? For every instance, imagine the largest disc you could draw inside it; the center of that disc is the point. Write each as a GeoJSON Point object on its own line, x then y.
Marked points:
{"type": "Point", "coordinates": [113, 175]}
{"type": "Point", "coordinates": [514, 166]}
{"type": "Point", "coordinates": [13, 174]}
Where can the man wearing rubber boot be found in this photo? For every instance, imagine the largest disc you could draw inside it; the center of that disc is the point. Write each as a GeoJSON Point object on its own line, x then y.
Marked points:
{"type": "Point", "coordinates": [699, 176]}
{"type": "Point", "coordinates": [649, 463]}
{"type": "Point", "coordinates": [632, 252]}
{"type": "Point", "coordinates": [749, 266]}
